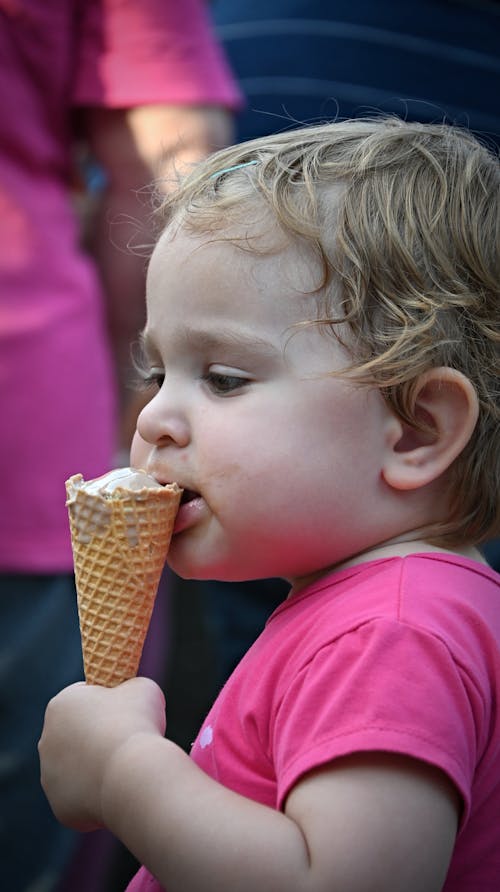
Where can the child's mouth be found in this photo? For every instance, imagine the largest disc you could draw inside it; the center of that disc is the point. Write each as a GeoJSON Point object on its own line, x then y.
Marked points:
{"type": "Point", "coordinates": [188, 495]}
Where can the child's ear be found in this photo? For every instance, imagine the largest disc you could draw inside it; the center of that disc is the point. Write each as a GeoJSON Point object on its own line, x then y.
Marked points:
{"type": "Point", "coordinates": [447, 402]}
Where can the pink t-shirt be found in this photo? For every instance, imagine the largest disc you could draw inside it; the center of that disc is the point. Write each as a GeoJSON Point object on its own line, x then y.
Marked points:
{"type": "Point", "coordinates": [56, 384]}
{"type": "Point", "coordinates": [398, 655]}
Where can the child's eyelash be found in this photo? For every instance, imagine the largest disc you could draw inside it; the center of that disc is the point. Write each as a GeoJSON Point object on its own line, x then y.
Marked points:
{"type": "Point", "coordinates": [146, 375]}
{"type": "Point", "coordinates": [151, 377]}
{"type": "Point", "coordinates": [222, 383]}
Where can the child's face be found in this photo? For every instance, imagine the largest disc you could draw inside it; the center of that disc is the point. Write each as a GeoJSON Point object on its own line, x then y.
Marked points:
{"type": "Point", "coordinates": [281, 462]}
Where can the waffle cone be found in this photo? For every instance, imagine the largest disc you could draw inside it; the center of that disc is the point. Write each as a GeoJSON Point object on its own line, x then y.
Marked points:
{"type": "Point", "coordinates": [120, 544]}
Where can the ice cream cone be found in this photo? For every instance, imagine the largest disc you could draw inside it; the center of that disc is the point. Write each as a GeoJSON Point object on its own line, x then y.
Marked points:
{"type": "Point", "coordinates": [120, 540]}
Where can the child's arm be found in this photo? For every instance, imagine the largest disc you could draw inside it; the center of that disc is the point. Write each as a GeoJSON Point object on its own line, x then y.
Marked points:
{"type": "Point", "coordinates": [366, 822]}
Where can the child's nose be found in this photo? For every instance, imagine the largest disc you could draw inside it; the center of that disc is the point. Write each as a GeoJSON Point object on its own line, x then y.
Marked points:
{"type": "Point", "coordinates": [161, 423]}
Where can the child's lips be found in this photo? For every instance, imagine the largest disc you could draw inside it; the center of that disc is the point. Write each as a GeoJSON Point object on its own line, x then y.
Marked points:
{"type": "Point", "coordinates": [191, 506]}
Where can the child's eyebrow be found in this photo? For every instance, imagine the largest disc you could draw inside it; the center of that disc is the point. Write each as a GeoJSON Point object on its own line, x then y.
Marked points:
{"type": "Point", "coordinates": [204, 338]}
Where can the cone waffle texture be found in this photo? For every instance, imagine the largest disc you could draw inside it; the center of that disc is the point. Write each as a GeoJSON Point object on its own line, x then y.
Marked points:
{"type": "Point", "coordinates": [120, 542]}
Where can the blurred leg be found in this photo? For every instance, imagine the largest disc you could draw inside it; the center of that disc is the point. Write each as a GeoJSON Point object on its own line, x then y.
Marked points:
{"type": "Point", "coordinates": [39, 654]}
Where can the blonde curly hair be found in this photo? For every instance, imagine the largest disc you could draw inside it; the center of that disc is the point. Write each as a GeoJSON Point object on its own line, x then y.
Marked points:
{"type": "Point", "coordinates": [405, 220]}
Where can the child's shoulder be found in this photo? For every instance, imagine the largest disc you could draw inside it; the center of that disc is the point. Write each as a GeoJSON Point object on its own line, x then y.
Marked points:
{"type": "Point", "coordinates": [401, 565]}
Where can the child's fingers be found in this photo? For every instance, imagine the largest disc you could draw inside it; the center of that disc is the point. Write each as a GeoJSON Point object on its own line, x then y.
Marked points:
{"type": "Point", "coordinates": [84, 727]}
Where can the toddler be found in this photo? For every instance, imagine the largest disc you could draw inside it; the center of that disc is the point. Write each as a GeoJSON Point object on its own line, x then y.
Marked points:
{"type": "Point", "coordinates": [322, 326]}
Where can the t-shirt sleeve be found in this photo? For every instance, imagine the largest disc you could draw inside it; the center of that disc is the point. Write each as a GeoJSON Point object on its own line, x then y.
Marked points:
{"type": "Point", "coordinates": [132, 53]}
{"type": "Point", "coordinates": [385, 687]}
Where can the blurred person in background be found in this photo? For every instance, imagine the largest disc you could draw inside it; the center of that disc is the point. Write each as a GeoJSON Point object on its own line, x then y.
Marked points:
{"type": "Point", "coordinates": [308, 61]}
{"type": "Point", "coordinates": [141, 86]}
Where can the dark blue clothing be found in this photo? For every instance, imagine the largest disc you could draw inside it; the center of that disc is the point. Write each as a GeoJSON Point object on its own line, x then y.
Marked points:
{"type": "Point", "coordinates": [37, 658]}
{"type": "Point", "coordinates": [300, 61]}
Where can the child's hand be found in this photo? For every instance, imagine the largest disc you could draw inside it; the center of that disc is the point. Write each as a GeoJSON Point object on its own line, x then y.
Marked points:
{"type": "Point", "coordinates": [85, 726]}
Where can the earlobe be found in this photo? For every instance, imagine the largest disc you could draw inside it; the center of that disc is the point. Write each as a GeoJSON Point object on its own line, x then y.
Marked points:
{"type": "Point", "coordinates": [447, 401]}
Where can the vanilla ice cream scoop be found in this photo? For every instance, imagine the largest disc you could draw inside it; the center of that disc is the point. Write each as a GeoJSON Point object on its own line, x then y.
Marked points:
{"type": "Point", "coordinates": [119, 479]}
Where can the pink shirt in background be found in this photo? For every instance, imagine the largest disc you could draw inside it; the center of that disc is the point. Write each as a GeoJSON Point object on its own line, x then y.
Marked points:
{"type": "Point", "coordinates": [398, 655]}
{"type": "Point", "coordinates": [57, 395]}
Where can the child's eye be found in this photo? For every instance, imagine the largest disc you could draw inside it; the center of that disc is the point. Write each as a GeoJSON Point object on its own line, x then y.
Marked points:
{"type": "Point", "coordinates": [223, 383]}
{"type": "Point", "coordinates": [154, 376]}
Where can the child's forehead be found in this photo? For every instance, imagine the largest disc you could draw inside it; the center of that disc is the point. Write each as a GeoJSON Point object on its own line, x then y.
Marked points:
{"type": "Point", "coordinates": [253, 250]}
{"type": "Point", "coordinates": [200, 273]}
{"type": "Point", "coordinates": [252, 228]}
{"type": "Point", "coordinates": [259, 223]}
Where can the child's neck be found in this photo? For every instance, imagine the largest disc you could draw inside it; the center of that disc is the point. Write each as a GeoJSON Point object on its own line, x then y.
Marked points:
{"type": "Point", "coordinates": [401, 546]}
